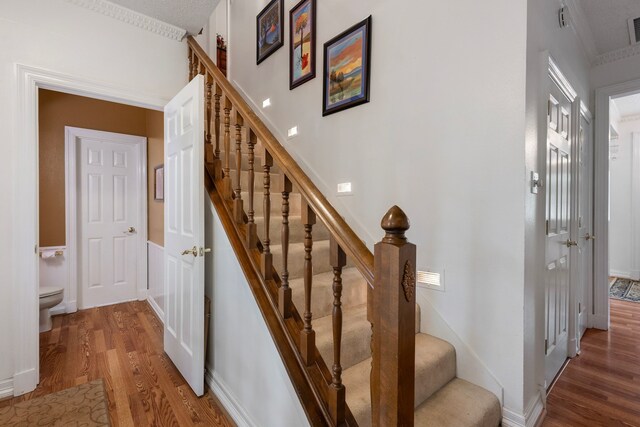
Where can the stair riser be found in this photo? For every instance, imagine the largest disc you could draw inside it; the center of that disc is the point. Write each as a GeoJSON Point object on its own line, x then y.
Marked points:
{"type": "Point", "coordinates": [319, 259]}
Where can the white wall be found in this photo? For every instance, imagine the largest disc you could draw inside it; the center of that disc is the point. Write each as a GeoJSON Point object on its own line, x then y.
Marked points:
{"type": "Point", "coordinates": [59, 36]}
{"type": "Point", "coordinates": [543, 34]}
{"type": "Point", "coordinates": [244, 367]}
{"type": "Point", "coordinates": [622, 212]}
{"type": "Point", "coordinates": [441, 137]}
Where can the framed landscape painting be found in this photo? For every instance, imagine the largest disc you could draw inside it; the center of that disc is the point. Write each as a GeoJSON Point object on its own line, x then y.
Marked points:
{"type": "Point", "coordinates": [347, 69]}
{"type": "Point", "coordinates": [269, 32]}
{"type": "Point", "coordinates": [302, 43]}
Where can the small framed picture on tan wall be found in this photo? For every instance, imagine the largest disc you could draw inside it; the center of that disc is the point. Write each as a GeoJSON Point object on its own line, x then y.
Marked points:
{"type": "Point", "coordinates": [158, 183]}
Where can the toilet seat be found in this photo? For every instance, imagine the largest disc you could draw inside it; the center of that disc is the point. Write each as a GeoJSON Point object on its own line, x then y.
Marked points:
{"type": "Point", "coordinates": [47, 291]}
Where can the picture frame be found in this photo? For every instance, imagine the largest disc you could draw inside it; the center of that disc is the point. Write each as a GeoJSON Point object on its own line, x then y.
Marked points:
{"type": "Point", "coordinates": [347, 69]}
{"type": "Point", "coordinates": [302, 61]}
{"type": "Point", "coordinates": [269, 30]}
{"type": "Point", "coordinates": [158, 183]}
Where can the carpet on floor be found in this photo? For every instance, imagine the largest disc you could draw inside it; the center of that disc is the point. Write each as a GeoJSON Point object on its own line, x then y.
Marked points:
{"type": "Point", "coordinates": [83, 405]}
{"type": "Point", "coordinates": [625, 289]}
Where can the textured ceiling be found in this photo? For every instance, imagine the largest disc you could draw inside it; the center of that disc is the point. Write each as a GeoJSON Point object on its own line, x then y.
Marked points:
{"type": "Point", "coordinates": [190, 15]}
{"type": "Point", "coordinates": [608, 20]}
{"type": "Point", "coordinates": [628, 105]}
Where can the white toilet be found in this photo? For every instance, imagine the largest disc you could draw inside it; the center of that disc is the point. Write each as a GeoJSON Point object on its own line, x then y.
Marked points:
{"type": "Point", "coordinates": [50, 296]}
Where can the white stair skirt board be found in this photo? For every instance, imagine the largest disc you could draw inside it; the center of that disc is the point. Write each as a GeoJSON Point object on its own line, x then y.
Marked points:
{"type": "Point", "coordinates": [227, 399]}
{"type": "Point", "coordinates": [530, 417]}
{"type": "Point", "coordinates": [155, 287]}
{"type": "Point", "coordinates": [6, 388]}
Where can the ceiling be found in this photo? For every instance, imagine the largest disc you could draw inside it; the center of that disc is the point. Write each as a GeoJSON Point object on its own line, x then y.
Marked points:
{"type": "Point", "coordinates": [628, 105]}
{"type": "Point", "coordinates": [190, 15]}
{"type": "Point", "coordinates": [608, 21]}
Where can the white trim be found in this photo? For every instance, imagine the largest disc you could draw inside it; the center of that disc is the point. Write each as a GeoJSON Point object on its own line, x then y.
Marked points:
{"type": "Point", "coordinates": [620, 274]}
{"type": "Point", "coordinates": [558, 77]}
{"type": "Point", "coordinates": [630, 118]}
{"type": "Point", "coordinates": [25, 320]}
{"type": "Point", "coordinates": [227, 399]}
{"type": "Point", "coordinates": [531, 415]}
{"type": "Point", "coordinates": [156, 308]}
{"type": "Point", "coordinates": [72, 136]}
{"type": "Point", "coordinates": [635, 206]}
{"type": "Point", "coordinates": [152, 302]}
{"type": "Point", "coordinates": [132, 17]}
{"type": "Point", "coordinates": [574, 233]}
{"type": "Point", "coordinates": [6, 388]}
{"type": "Point", "coordinates": [600, 312]}
{"type": "Point", "coordinates": [617, 55]}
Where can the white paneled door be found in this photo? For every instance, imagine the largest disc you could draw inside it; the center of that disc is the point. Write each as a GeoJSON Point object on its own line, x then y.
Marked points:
{"type": "Point", "coordinates": [558, 231]}
{"type": "Point", "coordinates": [184, 232]}
{"type": "Point", "coordinates": [585, 223]}
{"type": "Point", "coordinates": [109, 200]}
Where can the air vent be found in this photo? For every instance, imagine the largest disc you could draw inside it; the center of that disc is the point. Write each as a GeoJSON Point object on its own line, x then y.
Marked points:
{"type": "Point", "coordinates": [634, 30]}
{"type": "Point", "coordinates": [431, 279]}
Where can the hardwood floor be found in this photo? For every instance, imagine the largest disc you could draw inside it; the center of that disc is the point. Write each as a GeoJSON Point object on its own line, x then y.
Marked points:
{"type": "Point", "coordinates": [123, 345]}
{"type": "Point", "coordinates": [601, 387]}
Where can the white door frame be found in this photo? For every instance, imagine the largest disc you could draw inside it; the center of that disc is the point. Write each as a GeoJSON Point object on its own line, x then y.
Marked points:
{"type": "Point", "coordinates": [71, 207]}
{"type": "Point", "coordinates": [600, 313]}
{"type": "Point", "coordinates": [25, 203]}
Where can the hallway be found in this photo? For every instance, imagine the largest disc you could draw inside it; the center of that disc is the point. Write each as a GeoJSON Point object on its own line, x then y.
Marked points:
{"type": "Point", "coordinates": [122, 344]}
{"type": "Point", "coordinates": [601, 387]}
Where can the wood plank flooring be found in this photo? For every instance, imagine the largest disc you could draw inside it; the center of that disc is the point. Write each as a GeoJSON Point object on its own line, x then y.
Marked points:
{"type": "Point", "coordinates": [601, 387]}
{"type": "Point", "coordinates": [123, 345]}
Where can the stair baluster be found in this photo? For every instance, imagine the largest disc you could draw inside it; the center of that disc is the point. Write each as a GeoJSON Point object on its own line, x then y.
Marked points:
{"type": "Point", "coordinates": [284, 292]}
{"type": "Point", "coordinates": [337, 390]}
{"type": "Point", "coordinates": [252, 231]}
{"type": "Point", "coordinates": [216, 154]}
{"type": "Point", "coordinates": [307, 335]}
{"type": "Point", "coordinates": [267, 256]}
{"type": "Point", "coordinates": [191, 54]}
{"type": "Point", "coordinates": [226, 184]}
{"type": "Point", "coordinates": [394, 311]}
{"type": "Point", "coordinates": [208, 151]}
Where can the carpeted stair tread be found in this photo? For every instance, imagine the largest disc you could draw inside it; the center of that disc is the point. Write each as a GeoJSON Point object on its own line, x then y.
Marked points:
{"type": "Point", "coordinates": [319, 253]}
{"type": "Point", "coordinates": [460, 404]}
{"type": "Point", "coordinates": [296, 229]}
{"type": "Point", "coordinates": [435, 367]}
{"type": "Point", "coordinates": [354, 292]}
{"type": "Point", "coordinates": [356, 337]}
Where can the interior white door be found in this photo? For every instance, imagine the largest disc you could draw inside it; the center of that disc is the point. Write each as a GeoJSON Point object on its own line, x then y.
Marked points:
{"type": "Point", "coordinates": [109, 201]}
{"type": "Point", "coordinates": [184, 232]}
{"type": "Point", "coordinates": [558, 229]}
{"type": "Point", "coordinates": [585, 223]}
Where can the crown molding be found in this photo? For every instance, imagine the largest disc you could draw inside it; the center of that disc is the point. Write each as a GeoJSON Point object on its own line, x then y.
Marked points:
{"type": "Point", "coordinates": [580, 26]}
{"type": "Point", "coordinates": [616, 55]}
{"type": "Point", "coordinates": [132, 17]}
{"type": "Point", "coordinates": [630, 118]}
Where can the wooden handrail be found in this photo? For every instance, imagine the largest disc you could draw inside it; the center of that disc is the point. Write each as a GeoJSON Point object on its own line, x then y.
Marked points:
{"type": "Point", "coordinates": [337, 226]}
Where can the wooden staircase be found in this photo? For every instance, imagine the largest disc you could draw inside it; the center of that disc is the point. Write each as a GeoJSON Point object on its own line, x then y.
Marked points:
{"type": "Point", "coordinates": [344, 321]}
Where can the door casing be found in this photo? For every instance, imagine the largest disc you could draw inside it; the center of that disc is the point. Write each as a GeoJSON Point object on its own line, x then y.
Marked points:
{"type": "Point", "coordinates": [25, 202]}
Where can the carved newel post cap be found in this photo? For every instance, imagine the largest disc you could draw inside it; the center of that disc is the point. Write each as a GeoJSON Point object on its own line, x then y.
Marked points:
{"type": "Point", "coordinates": [395, 222]}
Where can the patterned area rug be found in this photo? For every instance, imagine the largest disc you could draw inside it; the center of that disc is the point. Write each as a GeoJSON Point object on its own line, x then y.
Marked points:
{"type": "Point", "coordinates": [625, 289]}
{"type": "Point", "coordinates": [83, 405]}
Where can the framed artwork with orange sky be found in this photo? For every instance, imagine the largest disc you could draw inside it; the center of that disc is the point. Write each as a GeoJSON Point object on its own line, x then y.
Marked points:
{"type": "Point", "coordinates": [347, 69]}
{"type": "Point", "coordinates": [302, 43]}
{"type": "Point", "coordinates": [269, 31]}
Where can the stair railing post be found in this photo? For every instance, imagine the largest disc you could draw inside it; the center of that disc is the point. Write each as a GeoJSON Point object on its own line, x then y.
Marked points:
{"type": "Point", "coordinates": [267, 256]}
{"type": "Point", "coordinates": [393, 367]}
{"type": "Point", "coordinates": [217, 163]}
{"type": "Point", "coordinates": [284, 292]}
{"type": "Point", "coordinates": [208, 151]}
{"type": "Point", "coordinates": [338, 260]}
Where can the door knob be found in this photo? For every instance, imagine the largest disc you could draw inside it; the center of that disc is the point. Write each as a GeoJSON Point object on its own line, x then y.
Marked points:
{"type": "Point", "coordinates": [570, 243]}
{"type": "Point", "coordinates": [193, 251]}
{"type": "Point", "coordinates": [589, 237]}
{"type": "Point", "coordinates": [204, 251]}
{"type": "Point", "coordinates": [130, 230]}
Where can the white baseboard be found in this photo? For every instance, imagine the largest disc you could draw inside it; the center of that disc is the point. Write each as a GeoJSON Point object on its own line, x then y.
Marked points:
{"type": "Point", "coordinates": [619, 273]}
{"type": "Point", "coordinates": [227, 399]}
{"type": "Point", "coordinates": [6, 388]}
{"type": "Point", "coordinates": [634, 274]}
{"type": "Point", "coordinates": [599, 321]}
{"type": "Point", "coordinates": [531, 415]}
{"type": "Point", "coordinates": [142, 294]}
{"type": "Point", "coordinates": [24, 382]}
{"type": "Point", "coordinates": [156, 309]}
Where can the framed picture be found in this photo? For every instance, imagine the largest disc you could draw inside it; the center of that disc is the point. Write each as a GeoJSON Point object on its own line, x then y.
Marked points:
{"type": "Point", "coordinates": [269, 29]}
{"type": "Point", "coordinates": [347, 69]}
{"type": "Point", "coordinates": [158, 183]}
{"type": "Point", "coordinates": [302, 43]}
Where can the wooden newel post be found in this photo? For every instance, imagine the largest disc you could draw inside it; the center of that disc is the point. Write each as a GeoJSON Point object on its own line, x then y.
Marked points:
{"type": "Point", "coordinates": [393, 367]}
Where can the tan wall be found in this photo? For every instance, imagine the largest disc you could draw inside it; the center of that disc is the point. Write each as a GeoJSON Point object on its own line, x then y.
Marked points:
{"type": "Point", "coordinates": [57, 110]}
{"type": "Point", "coordinates": [155, 157]}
